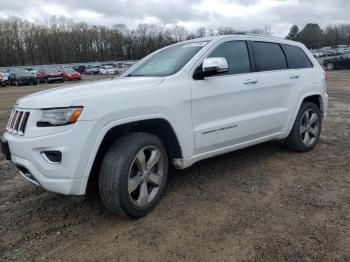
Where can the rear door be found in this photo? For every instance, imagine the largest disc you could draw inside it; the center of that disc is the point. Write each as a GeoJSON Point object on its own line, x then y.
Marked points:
{"type": "Point", "coordinates": [304, 77]}
{"type": "Point", "coordinates": [276, 83]}
{"type": "Point", "coordinates": [226, 108]}
{"type": "Point", "coordinates": [286, 73]}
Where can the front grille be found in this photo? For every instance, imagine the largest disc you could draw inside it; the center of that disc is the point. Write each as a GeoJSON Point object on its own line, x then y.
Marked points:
{"type": "Point", "coordinates": [17, 122]}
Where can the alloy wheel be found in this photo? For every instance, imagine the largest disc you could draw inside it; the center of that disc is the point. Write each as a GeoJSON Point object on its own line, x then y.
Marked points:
{"type": "Point", "coordinates": [145, 176]}
{"type": "Point", "coordinates": [309, 127]}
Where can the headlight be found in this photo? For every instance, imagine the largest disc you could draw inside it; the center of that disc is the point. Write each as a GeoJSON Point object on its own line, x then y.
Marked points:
{"type": "Point", "coordinates": [59, 117]}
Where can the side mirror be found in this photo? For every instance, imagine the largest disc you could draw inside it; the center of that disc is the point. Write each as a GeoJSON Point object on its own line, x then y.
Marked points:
{"type": "Point", "coordinates": [212, 66]}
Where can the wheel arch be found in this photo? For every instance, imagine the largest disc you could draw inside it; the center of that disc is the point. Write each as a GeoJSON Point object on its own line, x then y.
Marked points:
{"type": "Point", "coordinates": [158, 126]}
{"type": "Point", "coordinates": [316, 98]}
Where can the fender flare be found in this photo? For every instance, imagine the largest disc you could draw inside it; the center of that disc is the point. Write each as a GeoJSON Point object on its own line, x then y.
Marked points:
{"type": "Point", "coordinates": [116, 123]}
{"type": "Point", "coordinates": [302, 98]}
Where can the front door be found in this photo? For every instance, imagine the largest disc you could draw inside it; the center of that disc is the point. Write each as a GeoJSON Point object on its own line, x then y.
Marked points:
{"type": "Point", "coordinates": [226, 108]}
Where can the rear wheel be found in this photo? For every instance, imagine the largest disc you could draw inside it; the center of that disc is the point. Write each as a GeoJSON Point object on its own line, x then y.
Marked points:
{"type": "Point", "coordinates": [306, 129]}
{"type": "Point", "coordinates": [134, 174]}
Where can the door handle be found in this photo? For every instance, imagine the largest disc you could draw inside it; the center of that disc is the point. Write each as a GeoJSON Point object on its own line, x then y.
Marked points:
{"type": "Point", "coordinates": [251, 82]}
{"type": "Point", "coordinates": [294, 77]}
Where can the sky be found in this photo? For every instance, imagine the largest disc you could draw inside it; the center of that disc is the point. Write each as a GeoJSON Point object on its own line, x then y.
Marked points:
{"type": "Point", "coordinates": [280, 15]}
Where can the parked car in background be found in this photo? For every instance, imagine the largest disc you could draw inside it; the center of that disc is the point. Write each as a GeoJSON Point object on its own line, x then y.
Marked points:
{"type": "Point", "coordinates": [79, 68]}
{"type": "Point", "coordinates": [33, 71]}
{"type": "Point", "coordinates": [49, 75]}
{"type": "Point", "coordinates": [331, 52]}
{"type": "Point", "coordinates": [20, 77]}
{"type": "Point", "coordinates": [4, 77]}
{"type": "Point", "coordinates": [70, 74]}
{"type": "Point", "coordinates": [92, 70]}
{"type": "Point", "coordinates": [317, 53]}
{"type": "Point", "coordinates": [339, 62]}
{"type": "Point", "coordinates": [107, 70]}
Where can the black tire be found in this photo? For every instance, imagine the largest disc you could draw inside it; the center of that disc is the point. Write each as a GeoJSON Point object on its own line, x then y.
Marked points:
{"type": "Point", "coordinates": [295, 140]}
{"type": "Point", "coordinates": [114, 174]}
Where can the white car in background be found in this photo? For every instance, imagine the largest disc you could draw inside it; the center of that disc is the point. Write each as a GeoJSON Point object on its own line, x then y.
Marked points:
{"type": "Point", "coordinates": [107, 70]}
{"type": "Point", "coordinates": [317, 54]}
{"type": "Point", "coordinates": [4, 78]}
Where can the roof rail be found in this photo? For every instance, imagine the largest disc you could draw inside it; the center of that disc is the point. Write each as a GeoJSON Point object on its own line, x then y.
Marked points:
{"type": "Point", "coordinates": [251, 34]}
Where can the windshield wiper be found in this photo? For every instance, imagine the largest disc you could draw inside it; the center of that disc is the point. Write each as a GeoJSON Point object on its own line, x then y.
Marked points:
{"type": "Point", "coordinates": [131, 75]}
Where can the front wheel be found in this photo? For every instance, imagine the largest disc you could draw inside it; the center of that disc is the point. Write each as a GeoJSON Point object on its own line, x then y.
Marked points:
{"type": "Point", "coordinates": [306, 129]}
{"type": "Point", "coordinates": [134, 174]}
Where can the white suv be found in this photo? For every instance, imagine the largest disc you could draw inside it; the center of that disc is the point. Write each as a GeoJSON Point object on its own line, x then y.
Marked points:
{"type": "Point", "coordinates": [184, 103]}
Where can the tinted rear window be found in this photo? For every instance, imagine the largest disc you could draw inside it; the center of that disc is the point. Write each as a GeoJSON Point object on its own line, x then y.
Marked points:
{"type": "Point", "coordinates": [269, 56]}
{"type": "Point", "coordinates": [296, 57]}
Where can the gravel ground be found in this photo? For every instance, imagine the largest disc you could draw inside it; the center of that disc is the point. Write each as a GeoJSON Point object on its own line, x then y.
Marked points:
{"type": "Point", "coordinates": [263, 203]}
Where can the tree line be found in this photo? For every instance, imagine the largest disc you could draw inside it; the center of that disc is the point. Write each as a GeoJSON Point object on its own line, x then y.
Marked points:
{"type": "Point", "coordinates": [314, 37]}
{"type": "Point", "coordinates": [59, 40]}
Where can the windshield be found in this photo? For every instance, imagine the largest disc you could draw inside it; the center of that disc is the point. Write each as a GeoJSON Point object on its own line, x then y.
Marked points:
{"type": "Point", "coordinates": [21, 72]}
{"type": "Point", "coordinates": [167, 61]}
{"type": "Point", "coordinates": [69, 70]}
{"type": "Point", "coordinates": [52, 70]}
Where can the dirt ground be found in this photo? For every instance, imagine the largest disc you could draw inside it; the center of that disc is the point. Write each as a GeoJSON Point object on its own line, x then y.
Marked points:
{"type": "Point", "coordinates": [263, 203]}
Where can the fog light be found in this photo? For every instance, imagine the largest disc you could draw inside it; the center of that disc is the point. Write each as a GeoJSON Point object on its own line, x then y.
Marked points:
{"type": "Point", "coordinates": [53, 157]}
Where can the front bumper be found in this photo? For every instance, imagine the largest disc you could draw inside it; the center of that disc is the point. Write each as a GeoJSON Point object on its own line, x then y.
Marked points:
{"type": "Point", "coordinates": [66, 177]}
{"type": "Point", "coordinates": [55, 79]}
{"type": "Point", "coordinates": [27, 81]}
{"type": "Point", "coordinates": [71, 78]}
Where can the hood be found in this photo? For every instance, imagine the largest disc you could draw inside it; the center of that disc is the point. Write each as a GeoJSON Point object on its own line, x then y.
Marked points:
{"type": "Point", "coordinates": [67, 95]}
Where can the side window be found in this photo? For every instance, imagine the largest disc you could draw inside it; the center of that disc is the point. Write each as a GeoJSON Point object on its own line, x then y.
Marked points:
{"type": "Point", "coordinates": [237, 56]}
{"type": "Point", "coordinates": [269, 56]}
{"type": "Point", "coordinates": [296, 57]}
